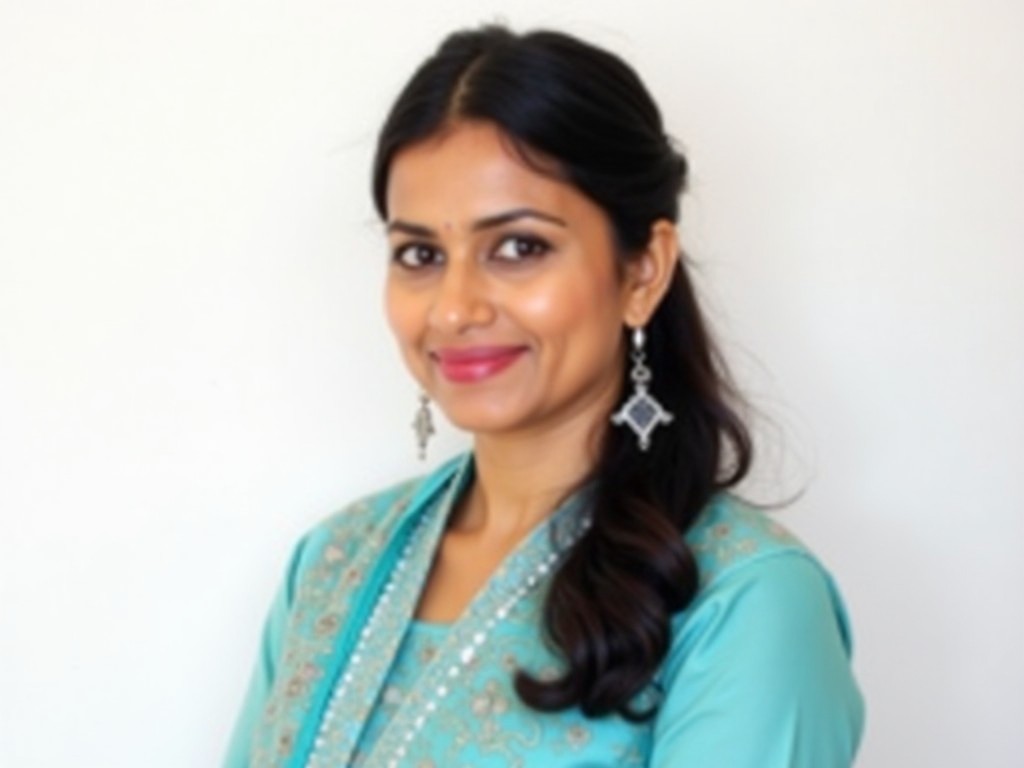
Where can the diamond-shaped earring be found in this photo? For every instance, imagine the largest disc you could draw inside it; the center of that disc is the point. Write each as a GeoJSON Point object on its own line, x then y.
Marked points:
{"type": "Point", "coordinates": [641, 412]}
{"type": "Point", "coordinates": [423, 425]}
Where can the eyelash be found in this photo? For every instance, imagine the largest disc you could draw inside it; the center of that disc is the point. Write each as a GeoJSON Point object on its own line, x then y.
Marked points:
{"type": "Point", "coordinates": [537, 247]}
{"type": "Point", "coordinates": [418, 248]}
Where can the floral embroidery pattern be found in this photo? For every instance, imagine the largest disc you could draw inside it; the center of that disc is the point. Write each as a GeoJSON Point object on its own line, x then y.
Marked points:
{"type": "Point", "coordinates": [728, 531]}
{"type": "Point", "coordinates": [482, 723]}
{"type": "Point", "coordinates": [323, 593]}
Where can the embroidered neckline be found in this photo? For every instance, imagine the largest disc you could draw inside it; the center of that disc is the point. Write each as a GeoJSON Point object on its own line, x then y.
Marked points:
{"type": "Point", "coordinates": [523, 570]}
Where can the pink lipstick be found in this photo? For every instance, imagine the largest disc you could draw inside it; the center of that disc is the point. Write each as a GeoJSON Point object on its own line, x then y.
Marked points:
{"type": "Point", "coordinates": [471, 364]}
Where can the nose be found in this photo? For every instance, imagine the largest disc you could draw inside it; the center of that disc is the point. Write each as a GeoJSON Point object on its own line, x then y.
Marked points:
{"type": "Point", "coordinates": [461, 300]}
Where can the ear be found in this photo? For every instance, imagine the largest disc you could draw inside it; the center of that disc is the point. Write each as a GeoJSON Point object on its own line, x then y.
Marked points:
{"type": "Point", "coordinates": [649, 274]}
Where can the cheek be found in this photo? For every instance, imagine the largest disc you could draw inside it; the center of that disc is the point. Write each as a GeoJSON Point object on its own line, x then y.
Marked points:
{"type": "Point", "coordinates": [396, 307]}
{"type": "Point", "coordinates": [574, 307]}
{"type": "Point", "coordinates": [402, 315]}
{"type": "Point", "coordinates": [405, 321]}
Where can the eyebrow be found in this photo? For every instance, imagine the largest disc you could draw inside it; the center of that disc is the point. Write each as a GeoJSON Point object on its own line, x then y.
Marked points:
{"type": "Point", "coordinates": [487, 222]}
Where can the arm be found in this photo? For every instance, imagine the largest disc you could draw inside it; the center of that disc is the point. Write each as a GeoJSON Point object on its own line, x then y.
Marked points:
{"type": "Point", "coordinates": [266, 664]}
{"type": "Point", "coordinates": [759, 676]}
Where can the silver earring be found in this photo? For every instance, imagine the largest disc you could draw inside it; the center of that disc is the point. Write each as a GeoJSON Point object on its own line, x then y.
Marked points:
{"type": "Point", "coordinates": [423, 426]}
{"type": "Point", "coordinates": [641, 412]}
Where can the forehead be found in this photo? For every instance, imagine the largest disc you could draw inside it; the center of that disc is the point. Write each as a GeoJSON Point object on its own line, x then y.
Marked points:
{"type": "Point", "coordinates": [469, 171]}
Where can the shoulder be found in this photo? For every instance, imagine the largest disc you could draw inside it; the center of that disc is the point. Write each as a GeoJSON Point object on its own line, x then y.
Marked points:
{"type": "Point", "coordinates": [730, 535]}
{"type": "Point", "coordinates": [367, 515]}
{"type": "Point", "coordinates": [763, 649]}
{"type": "Point", "coordinates": [367, 523]}
{"type": "Point", "coordinates": [753, 568]}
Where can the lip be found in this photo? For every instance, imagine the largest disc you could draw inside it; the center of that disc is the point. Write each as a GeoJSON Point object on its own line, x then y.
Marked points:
{"type": "Point", "coordinates": [469, 364]}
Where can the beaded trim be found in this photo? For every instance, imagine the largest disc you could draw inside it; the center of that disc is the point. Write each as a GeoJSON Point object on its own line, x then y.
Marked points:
{"type": "Point", "coordinates": [564, 533]}
{"type": "Point", "coordinates": [478, 639]}
{"type": "Point", "coordinates": [341, 687]}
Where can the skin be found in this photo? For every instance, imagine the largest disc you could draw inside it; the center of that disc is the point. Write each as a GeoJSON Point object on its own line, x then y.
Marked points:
{"type": "Point", "coordinates": [545, 281]}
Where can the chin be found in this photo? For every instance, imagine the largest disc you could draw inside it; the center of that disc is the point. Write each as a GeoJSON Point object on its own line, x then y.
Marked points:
{"type": "Point", "coordinates": [480, 419]}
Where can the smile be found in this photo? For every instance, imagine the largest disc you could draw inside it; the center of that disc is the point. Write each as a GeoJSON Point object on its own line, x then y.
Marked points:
{"type": "Point", "coordinates": [475, 363]}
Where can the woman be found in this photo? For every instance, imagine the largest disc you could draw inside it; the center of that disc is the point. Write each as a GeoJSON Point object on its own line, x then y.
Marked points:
{"type": "Point", "coordinates": [581, 588]}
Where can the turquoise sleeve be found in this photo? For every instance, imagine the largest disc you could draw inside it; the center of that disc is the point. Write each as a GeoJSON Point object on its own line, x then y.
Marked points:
{"type": "Point", "coordinates": [759, 673]}
{"type": "Point", "coordinates": [266, 663]}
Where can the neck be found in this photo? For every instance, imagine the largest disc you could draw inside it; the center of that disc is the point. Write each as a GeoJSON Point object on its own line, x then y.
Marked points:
{"type": "Point", "coordinates": [521, 479]}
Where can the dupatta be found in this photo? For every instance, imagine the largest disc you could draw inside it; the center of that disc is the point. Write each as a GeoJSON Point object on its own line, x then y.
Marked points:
{"type": "Point", "coordinates": [355, 594]}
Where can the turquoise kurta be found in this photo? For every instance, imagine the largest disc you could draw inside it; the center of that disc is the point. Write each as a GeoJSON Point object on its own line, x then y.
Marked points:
{"type": "Point", "coordinates": [757, 675]}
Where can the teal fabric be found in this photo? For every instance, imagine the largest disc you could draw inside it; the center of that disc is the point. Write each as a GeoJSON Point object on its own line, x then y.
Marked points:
{"type": "Point", "coordinates": [420, 646]}
{"type": "Point", "coordinates": [757, 676]}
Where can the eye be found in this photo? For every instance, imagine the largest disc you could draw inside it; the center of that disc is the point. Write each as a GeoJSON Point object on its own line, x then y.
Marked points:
{"type": "Point", "coordinates": [520, 247]}
{"type": "Point", "coordinates": [415, 255]}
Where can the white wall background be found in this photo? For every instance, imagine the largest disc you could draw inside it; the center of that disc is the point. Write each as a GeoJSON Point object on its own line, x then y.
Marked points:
{"type": "Point", "coordinates": [193, 366]}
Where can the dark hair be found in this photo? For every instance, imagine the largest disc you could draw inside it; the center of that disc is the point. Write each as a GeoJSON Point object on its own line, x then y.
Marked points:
{"type": "Point", "coordinates": [609, 607]}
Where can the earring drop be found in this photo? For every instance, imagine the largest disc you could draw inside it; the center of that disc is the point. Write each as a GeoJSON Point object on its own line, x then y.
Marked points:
{"type": "Point", "coordinates": [423, 426]}
{"type": "Point", "coordinates": [641, 412]}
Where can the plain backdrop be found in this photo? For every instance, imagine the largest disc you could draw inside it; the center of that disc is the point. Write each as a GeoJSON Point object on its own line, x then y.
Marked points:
{"type": "Point", "coordinates": [194, 367]}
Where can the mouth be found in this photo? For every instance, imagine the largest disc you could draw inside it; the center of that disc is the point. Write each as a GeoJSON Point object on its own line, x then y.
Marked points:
{"type": "Point", "coordinates": [471, 364]}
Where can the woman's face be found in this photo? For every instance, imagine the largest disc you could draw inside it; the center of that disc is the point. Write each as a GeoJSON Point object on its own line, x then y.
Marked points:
{"type": "Point", "coordinates": [502, 289]}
